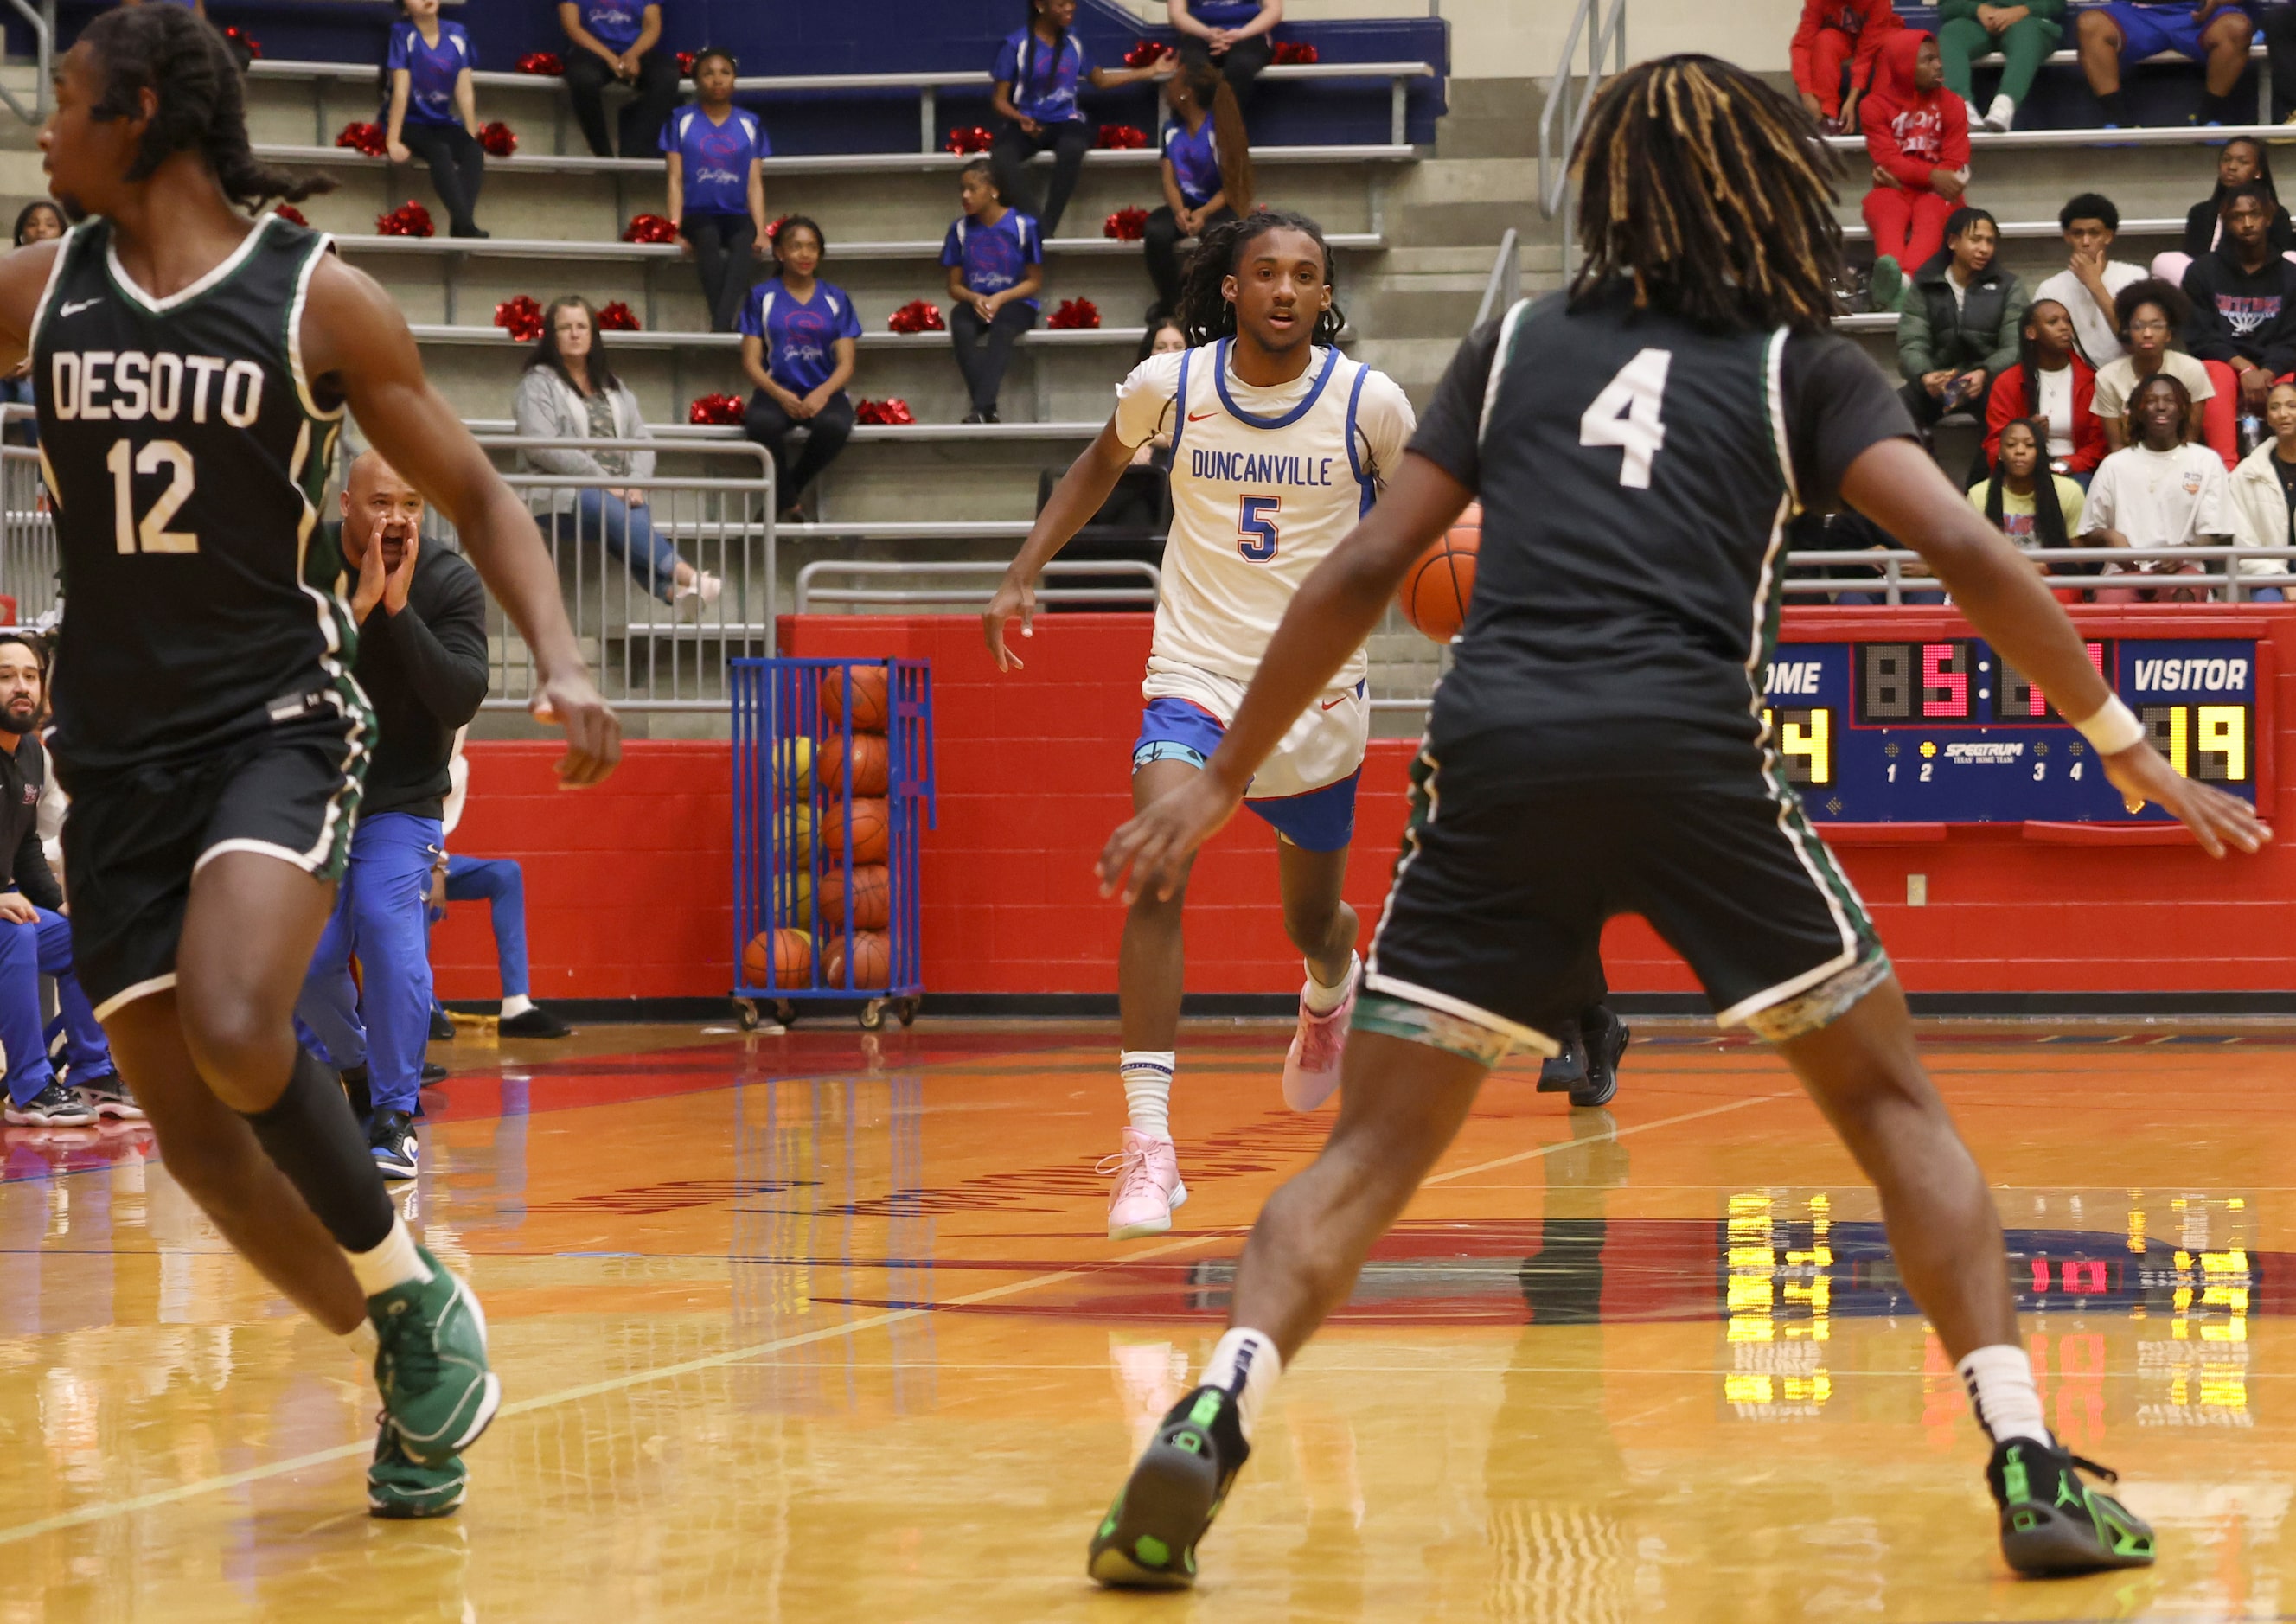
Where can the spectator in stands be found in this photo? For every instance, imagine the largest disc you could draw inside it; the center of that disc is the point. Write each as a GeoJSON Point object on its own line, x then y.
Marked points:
{"type": "Point", "coordinates": [1833, 56]}
{"type": "Point", "coordinates": [37, 222]}
{"type": "Point", "coordinates": [2212, 32]}
{"type": "Point", "coordinates": [1232, 35]}
{"type": "Point", "coordinates": [996, 263]}
{"type": "Point", "coordinates": [2024, 33]}
{"type": "Point", "coordinates": [616, 41]}
{"type": "Point", "coordinates": [2263, 493]}
{"type": "Point", "coordinates": [1207, 171]}
{"type": "Point", "coordinates": [1038, 72]}
{"type": "Point", "coordinates": [1162, 338]}
{"type": "Point", "coordinates": [2243, 326]}
{"type": "Point", "coordinates": [2092, 279]}
{"type": "Point", "coordinates": [433, 113]}
{"type": "Point", "coordinates": [2160, 492]}
{"type": "Point", "coordinates": [2241, 162]}
{"type": "Point", "coordinates": [716, 153]}
{"type": "Point", "coordinates": [34, 936]}
{"type": "Point", "coordinates": [2153, 313]}
{"type": "Point", "coordinates": [1917, 135]}
{"type": "Point", "coordinates": [500, 884]}
{"type": "Point", "coordinates": [799, 339]}
{"type": "Point", "coordinates": [2033, 507]}
{"type": "Point", "coordinates": [1957, 327]}
{"type": "Point", "coordinates": [422, 615]}
{"type": "Point", "coordinates": [569, 391]}
{"type": "Point", "coordinates": [2052, 385]}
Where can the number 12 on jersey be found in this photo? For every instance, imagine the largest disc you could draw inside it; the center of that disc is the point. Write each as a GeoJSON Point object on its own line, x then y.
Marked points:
{"type": "Point", "coordinates": [151, 534]}
{"type": "Point", "coordinates": [1625, 414]}
{"type": "Point", "coordinates": [1254, 527]}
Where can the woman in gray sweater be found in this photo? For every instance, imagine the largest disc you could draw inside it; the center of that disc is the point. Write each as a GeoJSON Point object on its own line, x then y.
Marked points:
{"type": "Point", "coordinates": [569, 391]}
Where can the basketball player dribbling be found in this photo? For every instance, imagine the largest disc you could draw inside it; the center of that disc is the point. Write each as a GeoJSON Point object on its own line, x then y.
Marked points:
{"type": "Point", "coordinates": [195, 369]}
{"type": "Point", "coordinates": [1639, 444]}
{"type": "Point", "coordinates": [1279, 444]}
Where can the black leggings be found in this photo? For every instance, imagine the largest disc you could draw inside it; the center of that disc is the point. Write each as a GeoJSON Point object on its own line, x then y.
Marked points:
{"type": "Point", "coordinates": [721, 254]}
{"type": "Point", "coordinates": [984, 367]}
{"type": "Point", "coordinates": [1240, 66]}
{"type": "Point", "coordinates": [767, 423]}
{"type": "Point", "coordinates": [586, 79]}
{"type": "Point", "coordinates": [1161, 239]}
{"type": "Point", "coordinates": [1013, 147]}
{"type": "Point", "coordinates": [458, 169]}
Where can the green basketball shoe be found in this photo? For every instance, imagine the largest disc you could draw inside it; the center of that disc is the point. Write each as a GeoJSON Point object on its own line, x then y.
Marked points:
{"type": "Point", "coordinates": [1148, 1539]}
{"type": "Point", "coordinates": [2052, 1522]}
{"type": "Point", "coordinates": [398, 1486]}
{"type": "Point", "coordinates": [430, 1364]}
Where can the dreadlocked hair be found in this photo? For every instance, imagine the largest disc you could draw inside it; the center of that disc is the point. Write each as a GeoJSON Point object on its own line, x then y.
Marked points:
{"type": "Point", "coordinates": [184, 62]}
{"type": "Point", "coordinates": [1712, 192]}
{"type": "Point", "coordinates": [1205, 311]}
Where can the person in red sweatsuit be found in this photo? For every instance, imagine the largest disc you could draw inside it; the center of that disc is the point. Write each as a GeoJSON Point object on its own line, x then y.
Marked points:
{"type": "Point", "coordinates": [1917, 135]}
{"type": "Point", "coordinates": [1831, 33]}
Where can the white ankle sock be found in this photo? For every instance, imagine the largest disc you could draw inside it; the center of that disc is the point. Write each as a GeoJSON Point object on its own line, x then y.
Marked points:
{"type": "Point", "coordinates": [395, 1262]}
{"type": "Point", "coordinates": [1246, 1364]}
{"type": "Point", "coordinates": [1147, 1078]}
{"type": "Point", "coordinates": [1322, 1000]}
{"type": "Point", "coordinates": [2000, 1383]}
{"type": "Point", "coordinates": [515, 1005]}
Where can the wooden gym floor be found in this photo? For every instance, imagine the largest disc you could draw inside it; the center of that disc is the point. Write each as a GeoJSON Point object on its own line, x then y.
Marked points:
{"type": "Point", "coordinates": [823, 1327]}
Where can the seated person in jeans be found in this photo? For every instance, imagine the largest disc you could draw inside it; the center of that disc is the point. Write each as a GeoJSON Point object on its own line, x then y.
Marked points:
{"type": "Point", "coordinates": [617, 40]}
{"type": "Point", "coordinates": [2161, 492]}
{"type": "Point", "coordinates": [1038, 69]}
{"type": "Point", "coordinates": [2216, 32]}
{"type": "Point", "coordinates": [35, 937]}
{"type": "Point", "coordinates": [996, 263]}
{"type": "Point", "coordinates": [2243, 326]}
{"type": "Point", "coordinates": [569, 391]}
{"type": "Point", "coordinates": [501, 884]}
{"type": "Point", "coordinates": [799, 339]}
{"type": "Point", "coordinates": [433, 113]}
{"type": "Point", "coordinates": [1957, 324]}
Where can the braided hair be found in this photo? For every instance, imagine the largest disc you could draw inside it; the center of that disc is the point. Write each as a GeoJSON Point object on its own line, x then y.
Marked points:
{"type": "Point", "coordinates": [186, 65]}
{"type": "Point", "coordinates": [1028, 46]}
{"type": "Point", "coordinates": [2029, 354]}
{"type": "Point", "coordinates": [1206, 312]}
{"type": "Point", "coordinates": [1713, 193]}
{"type": "Point", "coordinates": [2048, 517]}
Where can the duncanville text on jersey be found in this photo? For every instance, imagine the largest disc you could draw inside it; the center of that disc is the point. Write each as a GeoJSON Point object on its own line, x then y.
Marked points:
{"type": "Point", "coordinates": [1259, 467]}
{"type": "Point", "coordinates": [128, 385]}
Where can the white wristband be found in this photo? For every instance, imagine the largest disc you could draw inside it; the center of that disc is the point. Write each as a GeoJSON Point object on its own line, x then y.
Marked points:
{"type": "Point", "coordinates": [2113, 728]}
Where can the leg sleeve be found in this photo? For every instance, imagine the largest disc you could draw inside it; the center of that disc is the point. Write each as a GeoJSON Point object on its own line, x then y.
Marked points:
{"type": "Point", "coordinates": [585, 85]}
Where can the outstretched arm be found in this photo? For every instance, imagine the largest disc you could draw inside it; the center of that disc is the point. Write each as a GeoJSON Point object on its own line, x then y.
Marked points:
{"type": "Point", "coordinates": [355, 334]}
{"type": "Point", "coordinates": [1075, 500]}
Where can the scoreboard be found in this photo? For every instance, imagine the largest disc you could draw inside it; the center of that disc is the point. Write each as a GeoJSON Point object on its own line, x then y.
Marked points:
{"type": "Point", "coordinates": [1943, 730]}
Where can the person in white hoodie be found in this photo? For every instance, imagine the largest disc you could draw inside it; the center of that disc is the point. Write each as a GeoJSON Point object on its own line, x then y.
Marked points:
{"type": "Point", "coordinates": [2264, 494]}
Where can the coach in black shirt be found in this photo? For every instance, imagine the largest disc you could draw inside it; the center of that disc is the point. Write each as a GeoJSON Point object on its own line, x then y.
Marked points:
{"type": "Point", "coordinates": [422, 615]}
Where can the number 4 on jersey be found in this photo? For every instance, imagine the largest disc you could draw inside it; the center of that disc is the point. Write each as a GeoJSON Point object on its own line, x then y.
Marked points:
{"type": "Point", "coordinates": [1625, 414]}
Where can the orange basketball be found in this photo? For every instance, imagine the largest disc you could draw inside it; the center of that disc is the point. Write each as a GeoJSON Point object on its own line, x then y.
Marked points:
{"type": "Point", "coordinates": [1438, 587]}
{"type": "Point", "coordinates": [869, 765]}
{"type": "Point", "coordinates": [869, 706]}
{"type": "Point", "coordinates": [784, 961]}
{"type": "Point", "coordinates": [869, 829]}
{"type": "Point", "coordinates": [871, 901]}
{"type": "Point", "coordinates": [872, 959]}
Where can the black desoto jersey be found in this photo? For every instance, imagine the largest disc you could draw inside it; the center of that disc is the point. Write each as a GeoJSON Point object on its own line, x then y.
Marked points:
{"type": "Point", "coordinates": [1636, 475]}
{"type": "Point", "coordinates": [185, 451]}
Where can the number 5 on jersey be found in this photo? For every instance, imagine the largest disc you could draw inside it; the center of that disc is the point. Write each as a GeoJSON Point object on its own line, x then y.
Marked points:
{"type": "Point", "coordinates": [151, 534]}
{"type": "Point", "coordinates": [1254, 527]}
{"type": "Point", "coordinates": [1625, 414]}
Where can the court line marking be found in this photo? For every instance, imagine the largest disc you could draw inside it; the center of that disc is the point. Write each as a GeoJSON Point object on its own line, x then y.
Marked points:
{"type": "Point", "coordinates": [233, 1480]}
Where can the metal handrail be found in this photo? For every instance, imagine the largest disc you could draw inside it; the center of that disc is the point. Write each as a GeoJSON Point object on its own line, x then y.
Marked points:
{"type": "Point", "coordinates": [42, 22]}
{"type": "Point", "coordinates": [1506, 283]}
{"type": "Point", "coordinates": [807, 593]}
{"type": "Point", "coordinates": [1568, 105]}
{"type": "Point", "coordinates": [1895, 580]}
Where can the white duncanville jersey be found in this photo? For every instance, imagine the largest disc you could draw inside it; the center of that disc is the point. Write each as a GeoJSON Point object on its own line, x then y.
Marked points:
{"type": "Point", "coordinates": [1264, 482]}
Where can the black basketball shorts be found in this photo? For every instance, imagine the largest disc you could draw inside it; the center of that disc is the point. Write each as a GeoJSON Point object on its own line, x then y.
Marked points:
{"type": "Point", "coordinates": [132, 838]}
{"type": "Point", "coordinates": [1492, 934]}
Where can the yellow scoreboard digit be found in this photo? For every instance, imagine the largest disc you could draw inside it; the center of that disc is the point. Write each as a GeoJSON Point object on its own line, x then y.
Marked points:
{"type": "Point", "coordinates": [2205, 742]}
{"type": "Point", "coordinates": [1805, 742]}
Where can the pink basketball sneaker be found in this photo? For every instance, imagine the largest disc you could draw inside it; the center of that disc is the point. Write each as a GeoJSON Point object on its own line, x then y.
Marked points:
{"type": "Point", "coordinates": [1147, 1186]}
{"type": "Point", "coordinates": [1311, 1070]}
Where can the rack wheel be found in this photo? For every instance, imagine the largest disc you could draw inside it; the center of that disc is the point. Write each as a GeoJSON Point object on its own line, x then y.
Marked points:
{"type": "Point", "coordinates": [907, 1010]}
{"type": "Point", "coordinates": [784, 1012]}
{"type": "Point", "coordinates": [745, 1012]}
{"type": "Point", "coordinates": [873, 1015]}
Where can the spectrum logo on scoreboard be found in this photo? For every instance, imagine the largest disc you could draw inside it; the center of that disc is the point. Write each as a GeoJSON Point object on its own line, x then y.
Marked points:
{"type": "Point", "coordinates": [1946, 731]}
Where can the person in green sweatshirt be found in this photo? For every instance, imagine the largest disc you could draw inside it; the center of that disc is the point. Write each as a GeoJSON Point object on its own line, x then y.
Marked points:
{"type": "Point", "coordinates": [2024, 34]}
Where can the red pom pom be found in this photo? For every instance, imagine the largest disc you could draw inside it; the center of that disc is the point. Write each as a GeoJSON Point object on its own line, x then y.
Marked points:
{"type": "Point", "coordinates": [365, 138]}
{"type": "Point", "coordinates": [1289, 53]}
{"type": "Point", "coordinates": [892, 411]}
{"type": "Point", "coordinates": [918, 316]}
{"type": "Point", "coordinates": [686, 63]}
{"type": "Point", "coordinates": [615, 317]}
{"type": "Point", "coordinates": [521, 317]}
{"type": "Point", "coordinates": [715, 409]}
{"type": "Point", "coordinates": [288, 211]}
{"type": "Point", "coordinates": [1075, 313]}
{"type": "Point", "coordinates": [1125, 225]}
{"type": "Point", "coordinates": [1147, 53]}
{"type": "Point", "coordinates": [968, 140]}
{"type": "Point", "coordinates": [1122, 138]}
{"type": "Point", "coordinates": [544, 62]}
{"type": "Point", "coordinates": [649, 228]}
{"type": "Point", "coordinates": [409, 219]}
{"type": "Point", "coordinates": [499, 139]}
{"type": "Point", "coordinates": [240, 36]}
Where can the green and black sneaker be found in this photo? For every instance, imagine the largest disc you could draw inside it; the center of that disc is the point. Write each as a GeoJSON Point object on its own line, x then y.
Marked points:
{"type": "Point", "coordinates": [430, 1364]}
{"type": "Point", "coordinates": [400, 1486]}
{"type": "Point", "coordinates": [2052, 1522]}
{"type": "Point", "coordinates": [1148, 1539]}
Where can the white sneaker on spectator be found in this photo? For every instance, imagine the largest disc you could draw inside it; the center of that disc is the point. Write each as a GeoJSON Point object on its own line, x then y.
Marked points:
{"type": "Point", "coordinates": [2001, 115]}
{"type": "Point", "coordinates": [697, 595]}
